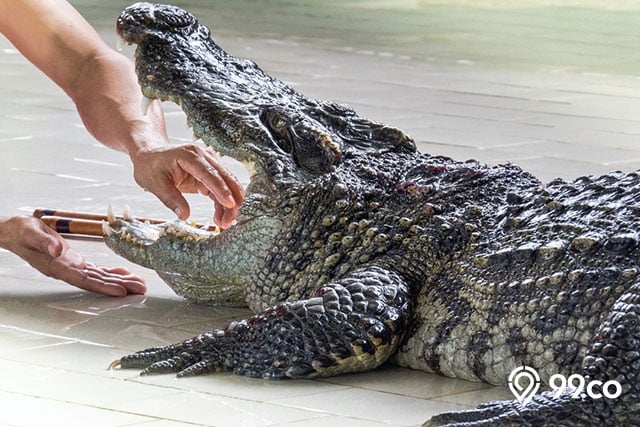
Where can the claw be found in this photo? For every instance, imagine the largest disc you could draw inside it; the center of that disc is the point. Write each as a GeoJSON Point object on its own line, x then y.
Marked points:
{"type": "Point", "coordinates": [116, 364]}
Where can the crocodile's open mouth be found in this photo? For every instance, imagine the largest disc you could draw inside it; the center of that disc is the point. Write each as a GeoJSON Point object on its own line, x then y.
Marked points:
{"type": "Point", "coordinates": [143, 234]}
{"type": "Point", "coordinates": [177, 61]}
{"type": "Point", "coordinates": [285, 139]}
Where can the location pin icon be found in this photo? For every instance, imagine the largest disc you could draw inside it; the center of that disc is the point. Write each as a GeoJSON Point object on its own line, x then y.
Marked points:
{"type": "Point", "coordinates": [524, 382]}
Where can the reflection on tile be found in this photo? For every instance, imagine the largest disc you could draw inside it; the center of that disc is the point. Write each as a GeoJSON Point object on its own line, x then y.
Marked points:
{"type": "Point", "coordinates": [227, 384]}
{"type": "Point", "coordinates": [406, 382]}
{"type": "Point", "coordinates": [164, 423]}
{"type": "Point", "coordinates": [208, 409]}
{"type": "Point", "coordinates": [336, 420]}
{"type": "Point", "coordinates": [29, 411]}
{"type": "Point", "coordinates": [475, 398]}
{"type": "Point", "coordinates": [374, 405]}
{"type": "Point", "coordinates": [71, 356]}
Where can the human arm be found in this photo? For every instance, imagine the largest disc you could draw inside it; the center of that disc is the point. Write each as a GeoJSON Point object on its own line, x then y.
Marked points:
{"type": "Point", "coordinates": [102, 84]}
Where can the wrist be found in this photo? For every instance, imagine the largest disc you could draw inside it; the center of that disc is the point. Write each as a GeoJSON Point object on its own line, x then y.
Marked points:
{"type": "Point", "coordinates": [108, 100]}
{"type": "Point", "coordinates": [3, 232]}
{"type": "Point", "coordinates": [6, 232]}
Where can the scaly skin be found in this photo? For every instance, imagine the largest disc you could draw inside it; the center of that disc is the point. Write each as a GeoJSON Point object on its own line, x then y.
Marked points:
{"type": "Point", "coordinates": [354, 249]}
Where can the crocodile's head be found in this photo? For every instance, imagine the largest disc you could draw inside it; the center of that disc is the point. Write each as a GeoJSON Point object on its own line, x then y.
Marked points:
{"type": "Point", "coordinates": [238, 109]}
{"type": "Point", "coordinates": [284, 138]}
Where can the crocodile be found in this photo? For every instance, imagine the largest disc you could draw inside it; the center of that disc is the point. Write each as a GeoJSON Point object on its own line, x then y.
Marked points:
{"type": "Point", "coordinates": [355, 249]}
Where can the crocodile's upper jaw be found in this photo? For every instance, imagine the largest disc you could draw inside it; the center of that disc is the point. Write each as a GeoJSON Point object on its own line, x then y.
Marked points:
{"type": "Point", "coordinates": [230, 103]}
{"type": "Point", "coordinates": [241, 111]}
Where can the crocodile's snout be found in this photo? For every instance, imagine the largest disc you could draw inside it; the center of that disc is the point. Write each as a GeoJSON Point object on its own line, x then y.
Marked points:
{"type": "Point", "coordinates": [143, 19]}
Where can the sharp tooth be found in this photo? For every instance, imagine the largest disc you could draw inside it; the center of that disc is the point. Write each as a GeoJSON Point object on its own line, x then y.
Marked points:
{"type": "Point", "coordinates": [146, 102]}
{"type": "Point", "coordinates": [126, 213]}
{"type": "Point", "coordinates": [121, 43]}
{"type": "Point", "coordinates": [195, 138]}
{"type": "Point", "coordinates": [110, 216]}
{"type": "Point", "coordinates": [107, 230]}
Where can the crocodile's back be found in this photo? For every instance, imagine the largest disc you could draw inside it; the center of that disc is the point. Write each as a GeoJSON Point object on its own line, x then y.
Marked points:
{"type": "Point", "coordinates": [532, 289]}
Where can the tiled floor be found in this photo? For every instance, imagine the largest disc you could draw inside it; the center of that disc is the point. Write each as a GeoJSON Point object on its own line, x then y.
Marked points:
{"type": "Point", "coordinates": [554, 89]}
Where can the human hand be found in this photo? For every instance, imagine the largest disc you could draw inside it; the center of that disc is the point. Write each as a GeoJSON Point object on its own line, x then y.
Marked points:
{"type": "Point", "coordinates": [170, 170]}
{"type": "Point", "coordinates": [50, 253]}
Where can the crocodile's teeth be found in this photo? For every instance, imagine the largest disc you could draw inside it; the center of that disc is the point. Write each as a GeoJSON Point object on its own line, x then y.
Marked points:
{"type": "Point", "coordinates": [146, 102]}
{"type": "Point", "coordinates": [107, 230]}
{"type": "Point", "coordinates": [126, 213]}
{"type": "Point", "coordinates": [110, 216]}
{"type": "Point", "coordinates": [195, 138]}
{"type": "Point", "coordinates": [121, 43]}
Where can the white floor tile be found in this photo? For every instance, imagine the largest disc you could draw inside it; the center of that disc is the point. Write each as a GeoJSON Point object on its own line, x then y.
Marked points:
{"type": "Point", "coordinates": [213, 410]}
{"type": "Point", "coordinates": [372, 405]}
{"type": "Point", "coordinates": [26, 411]}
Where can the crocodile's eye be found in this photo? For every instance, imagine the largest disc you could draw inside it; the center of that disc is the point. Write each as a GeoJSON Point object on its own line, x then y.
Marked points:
{"type": "Point", "coordinates": [278, 124]}
{"type": "Point", "coordinates": [310, 146]}
{"type": "Point", "coordinates": [279, 129]}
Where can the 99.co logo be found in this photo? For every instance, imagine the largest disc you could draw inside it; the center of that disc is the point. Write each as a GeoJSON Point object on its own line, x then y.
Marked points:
{"type": "Point", "coordinates": [524, 382]}
{"type": "Point", "coordinates": [609, 389]}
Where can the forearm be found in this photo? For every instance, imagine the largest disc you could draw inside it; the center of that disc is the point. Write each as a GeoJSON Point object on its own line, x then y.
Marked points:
{"type": "Point", "coordinates": [4, 233]}
{"type": "Point", "coordinates": [108, 93]}
{"type": "Point", "coordinates": [103, 85]}
{"type": "Point", "coordinates": [100, 81]}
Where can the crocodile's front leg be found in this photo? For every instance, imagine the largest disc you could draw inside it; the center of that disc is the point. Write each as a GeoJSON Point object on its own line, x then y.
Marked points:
{"type": "Point", "coordinates": [199, 265]}
{"type": "Point", "coordinates": [351, 325]}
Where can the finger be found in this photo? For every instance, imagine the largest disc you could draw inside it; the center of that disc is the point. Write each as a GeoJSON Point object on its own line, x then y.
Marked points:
{"type": "Point", "coordinates": [47, 241]}
{"type": "Point", "coordinates": [218, 211]}
{"type": "Point", "coordinates": [172, 198]}
{"type": "Point", "coordinates": [73, 269]}
{"type": "Point", "coordinates": [237, 190]}
{"type": "Point", "coordinates": [228, 217]}
{"type": "Point", "coordinates": [203, 190]}
{"type": "Point", "coordinates": [120, 275]}
{"type": "Point", "coordinates": [88, 280]}
{"type": "Point", "coordinates": [209, 175]}
{"type": "Point", "coordinates": [133, 284]}
{"type": "Point", "coordinates": [224, 217]}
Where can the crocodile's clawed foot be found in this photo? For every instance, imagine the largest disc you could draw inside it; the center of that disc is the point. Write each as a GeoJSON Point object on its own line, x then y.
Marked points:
{"type": "Point", "coordinates": [192, 357]}
{"type": "Point", "coordinates": [542, 410]}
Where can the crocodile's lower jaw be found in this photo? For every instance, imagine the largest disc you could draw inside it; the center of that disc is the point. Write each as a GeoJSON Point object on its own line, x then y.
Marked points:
{"type": "Point", "coordinates": [177, 251]}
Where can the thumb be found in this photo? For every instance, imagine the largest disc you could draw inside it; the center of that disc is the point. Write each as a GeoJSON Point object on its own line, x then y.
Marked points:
{"type": "Point", "coordinates": [48, 241]}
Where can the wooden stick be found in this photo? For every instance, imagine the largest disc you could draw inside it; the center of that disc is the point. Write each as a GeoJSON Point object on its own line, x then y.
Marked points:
{"type": "Point", "coordinates": [39, 213]}
{"type": "Point", "coordinates": [89, 224]}
{"type": "Point", "coordinates": [87, 227]}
